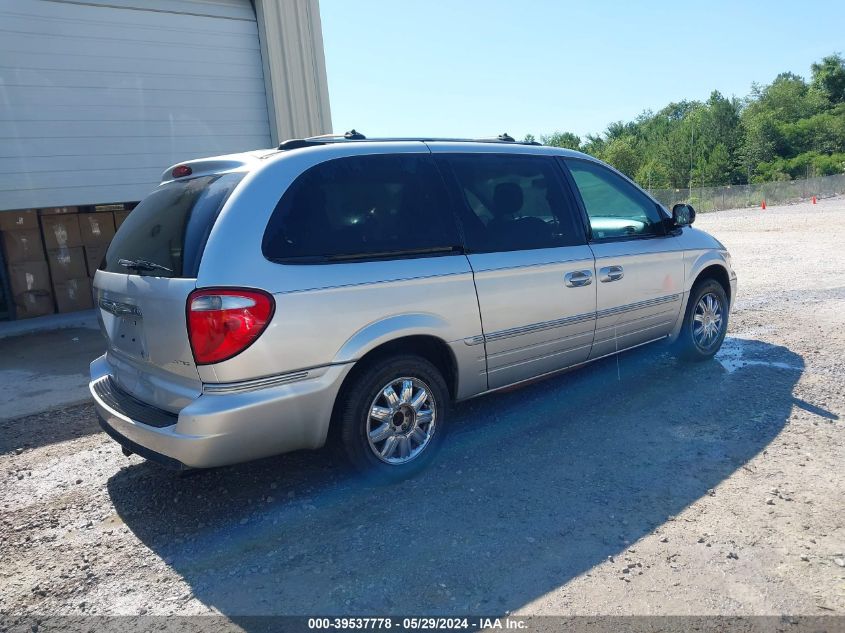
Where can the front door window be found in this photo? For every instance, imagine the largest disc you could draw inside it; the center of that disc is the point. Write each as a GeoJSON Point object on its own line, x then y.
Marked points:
{"type": "Point", "coordinates": [615, 207]}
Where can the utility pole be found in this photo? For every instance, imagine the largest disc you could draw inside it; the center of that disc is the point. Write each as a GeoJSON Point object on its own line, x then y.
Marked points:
{"type": "Point", "coordinates": [691, 150]}
{"type": "Point", "coordinates": [748, 183]}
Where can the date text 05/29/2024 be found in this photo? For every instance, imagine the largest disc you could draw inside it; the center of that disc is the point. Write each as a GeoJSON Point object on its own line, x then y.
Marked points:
{"type": "Point", "coordinates": [417, 623]}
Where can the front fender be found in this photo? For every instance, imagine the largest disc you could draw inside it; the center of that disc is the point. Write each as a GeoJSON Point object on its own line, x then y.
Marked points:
{"type": "Point", "coordinates": [390, 328]}
{"type": "Point", "coordinates": [694, 264]}
{"type": "Point", "coordinates": [698, 261]}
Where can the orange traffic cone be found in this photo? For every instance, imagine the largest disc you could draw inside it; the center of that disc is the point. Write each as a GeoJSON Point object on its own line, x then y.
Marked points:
{"type": "Point", "coordinates": [814, 199]}
{"type": "Point", "coordinates": [763, 206]}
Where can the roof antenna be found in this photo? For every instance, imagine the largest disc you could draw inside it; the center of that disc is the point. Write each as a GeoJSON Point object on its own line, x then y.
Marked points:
{"type": "Point", "coordinates": [354, 135]}
{"type": "Point", "coordinates": [506, 137]}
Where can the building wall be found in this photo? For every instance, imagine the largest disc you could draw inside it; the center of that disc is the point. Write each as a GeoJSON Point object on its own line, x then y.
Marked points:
{"type": "Point", "coordinates": [294, 68]}
{"type": "Point", "coordinates": [97, 97]}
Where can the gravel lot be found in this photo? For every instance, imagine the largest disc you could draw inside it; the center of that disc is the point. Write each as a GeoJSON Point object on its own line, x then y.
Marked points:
{"type": "Point", "coordinates": [642, 486]}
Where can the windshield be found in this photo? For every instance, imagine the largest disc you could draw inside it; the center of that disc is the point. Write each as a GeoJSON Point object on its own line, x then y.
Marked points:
{"type": "Point", "coordinates": [165, 235]}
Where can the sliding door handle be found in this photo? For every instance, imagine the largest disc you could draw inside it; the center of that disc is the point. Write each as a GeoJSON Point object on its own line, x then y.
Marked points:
{"type": "Point", "coordinates": [611, 273]}
{"type": "Point", "coordinates": [578, 278]}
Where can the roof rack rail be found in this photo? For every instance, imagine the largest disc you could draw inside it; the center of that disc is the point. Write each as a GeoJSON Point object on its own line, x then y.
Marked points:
{"type": "Point", "coordinates": [351, 135]}
{"type": "Point", "coordinates": [322, 139]}
{"type": "Point", "coordinates": [297, 143]}
{"type": "Point", "coordinates": [499, 138]}
{"type": "Point", "coordinates": [505, 138]}
{"type": "Point", "coordinates": [354, 135]}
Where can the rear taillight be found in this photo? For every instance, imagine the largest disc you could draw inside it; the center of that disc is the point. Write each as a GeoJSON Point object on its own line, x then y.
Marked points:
{"type": "Point", "coordinates": [223, 322]}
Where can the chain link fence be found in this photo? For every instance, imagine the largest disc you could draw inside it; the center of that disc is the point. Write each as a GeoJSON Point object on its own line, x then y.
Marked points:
{"type": "Point", "coordinates": [736, 196]}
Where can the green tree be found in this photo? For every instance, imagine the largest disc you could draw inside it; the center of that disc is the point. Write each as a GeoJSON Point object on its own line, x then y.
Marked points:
{"type": "Point", "coordinates": [829, 78]}
{"type": "Point", "coordinates": [653, 175]}
{"type": "Point", "coordinates": [762, 139]}
{"type": "Point", "coordinates": [823, 132]}
{"type": "Point", "coordinates": [678, 152]}
{"type": "Point", "coordinates": [621, 152]}
{"type": "Point", "coordinates": [567, 140]}
{"type": "Point", "coordinates": [787, 99]}
{"type": "Point", "coordinates": [715, 169]}
{"type": "Point", "coordinates": [594, 145]}
{"type": "Point", "coordinates": [785, 129]}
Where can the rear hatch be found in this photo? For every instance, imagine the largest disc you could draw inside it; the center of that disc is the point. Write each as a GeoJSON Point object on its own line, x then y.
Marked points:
{"type": "Point", "coordinates": [143, 283]}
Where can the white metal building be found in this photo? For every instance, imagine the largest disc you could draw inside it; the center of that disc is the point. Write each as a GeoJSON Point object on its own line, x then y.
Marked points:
{"type": "Point", "coordinates": [97, 97]}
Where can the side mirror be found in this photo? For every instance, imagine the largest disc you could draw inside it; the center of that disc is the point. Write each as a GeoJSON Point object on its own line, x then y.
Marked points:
{"type": "Point", "coordinates": [683, 214]}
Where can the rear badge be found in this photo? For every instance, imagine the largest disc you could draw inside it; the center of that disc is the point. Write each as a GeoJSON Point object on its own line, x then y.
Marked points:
{"type": "Point", "coordinates": [118, 308]}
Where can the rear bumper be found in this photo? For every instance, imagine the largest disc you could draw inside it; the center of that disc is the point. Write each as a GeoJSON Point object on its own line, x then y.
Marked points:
{"type": "Point", "coordinates": [142, 451]}
{"type": "Point", "coordinates": [221, 428]}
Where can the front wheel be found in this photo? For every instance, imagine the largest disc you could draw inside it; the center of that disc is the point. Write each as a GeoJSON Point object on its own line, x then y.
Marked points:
{"type": "Point", "coordinates": [705, 321]}
{"type": "Point", "coordinates": [392, 417]}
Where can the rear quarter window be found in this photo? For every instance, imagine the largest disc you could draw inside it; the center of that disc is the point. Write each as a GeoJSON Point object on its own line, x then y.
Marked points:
{"type": "Point", "coordinates": [170, 227]}
{"type": "Point", "coordinates": [363, 207]}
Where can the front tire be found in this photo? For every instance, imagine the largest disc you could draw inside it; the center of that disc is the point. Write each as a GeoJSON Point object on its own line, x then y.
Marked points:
{"type": "Point", "coordinates": [393, 416]}
{"type": "Point", "coordinates": [705, 322]}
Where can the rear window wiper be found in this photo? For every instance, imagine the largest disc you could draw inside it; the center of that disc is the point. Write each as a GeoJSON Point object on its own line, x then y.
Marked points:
{"type": "Point", "coordinates": [142, 264]}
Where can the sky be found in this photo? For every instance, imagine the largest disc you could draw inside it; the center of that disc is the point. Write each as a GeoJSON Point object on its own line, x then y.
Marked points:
{"type": "Point", "coordinates": [471, 68]}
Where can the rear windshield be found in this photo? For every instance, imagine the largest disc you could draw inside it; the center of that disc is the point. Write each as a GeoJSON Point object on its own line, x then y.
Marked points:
{"type": "Point", "coordinates": [165, 235]}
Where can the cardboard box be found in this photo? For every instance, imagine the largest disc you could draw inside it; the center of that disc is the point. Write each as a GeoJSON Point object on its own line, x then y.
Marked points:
{"type": "Point", "coordinates": [61, 231]}
{"type": "Point", "coordinates": [117, 206]}
{"type": "Point", "coordinates": [97, 229]}
{"type": "Point", "coordinates": [23, 246]}
{"type": "Point", "coordinates": [18, 220]}
{"type": "Point", "coordinates": [28, 277]}
{"type": "Point", "coordinates": [73, 295]}
{"type": "Point", "coordinates": [33, 304]}
{"type": "Point", "coordinates": [58, 210]}
{"type": "Point", "coordinates": [67, 263]}
{"type": "Point", "coordinates": [31, 291]}
{"type": "Point", "coordinates": [93, 257]}
{"type": "Point", "coordinates": [119, 217]}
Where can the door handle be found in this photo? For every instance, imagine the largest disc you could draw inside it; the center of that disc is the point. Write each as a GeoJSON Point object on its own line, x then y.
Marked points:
{"type": "Point", "coordinates": [578, 278]}
{"type": "Point", "coordinates": [611, 273]}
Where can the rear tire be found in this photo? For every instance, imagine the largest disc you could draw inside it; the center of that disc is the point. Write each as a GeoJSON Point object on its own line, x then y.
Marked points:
{"type": "Point", "coordinates": [392, 417]}
{"type": "Point", "coordinates": [705, 322]}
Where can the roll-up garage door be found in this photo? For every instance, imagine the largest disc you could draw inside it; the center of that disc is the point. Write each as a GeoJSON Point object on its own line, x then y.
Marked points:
{"type": "Point", "coordinates": [97, 99]}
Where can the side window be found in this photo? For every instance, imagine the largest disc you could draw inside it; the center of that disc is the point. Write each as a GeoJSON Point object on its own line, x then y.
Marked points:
{"type": "Point", "coordinates": [386, 205]}
{"type": "Point", "coordinates": [614, 206]}
{"type": "Point", "coordinates": [513, 202]}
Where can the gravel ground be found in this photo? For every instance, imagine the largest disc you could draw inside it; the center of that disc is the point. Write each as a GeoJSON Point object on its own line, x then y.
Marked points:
{"type": "Point", "coordinates": [637, 486]}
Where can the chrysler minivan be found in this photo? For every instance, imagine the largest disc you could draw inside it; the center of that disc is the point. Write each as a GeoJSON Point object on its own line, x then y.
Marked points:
{"type": "Point", "coordinates": [350, 289]}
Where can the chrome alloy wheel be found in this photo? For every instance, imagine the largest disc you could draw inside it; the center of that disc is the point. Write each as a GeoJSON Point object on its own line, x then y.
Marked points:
{"type": "Point", "coordinates": [707, 320]}
{"type": "Point", "coordinates": [401, 420]}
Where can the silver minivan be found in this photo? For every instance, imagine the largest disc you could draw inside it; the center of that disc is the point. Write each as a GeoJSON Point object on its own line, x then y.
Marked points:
{"type": "Point", "coordinates": [349, 290]}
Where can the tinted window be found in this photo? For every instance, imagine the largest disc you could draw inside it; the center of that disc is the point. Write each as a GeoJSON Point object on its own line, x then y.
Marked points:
{"type": "Point", "coordinates": [615, 207]}
{"type": "Point", "coordinates": [363, 206]}
{"type": "Point", "coordinates": [170, 226]}
{"type": "Point", "coordinates": [513, 203]}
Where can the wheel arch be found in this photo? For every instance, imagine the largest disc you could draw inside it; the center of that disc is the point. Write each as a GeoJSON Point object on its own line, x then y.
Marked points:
{"type": "Point", "coordinates": [709, 266]}
{"type": "Point", "coordinates": [432, 348]}
{"type": "Point", "coordinates": [718, 273]}
{"type": "Point", "coordinates": [428, 346]}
